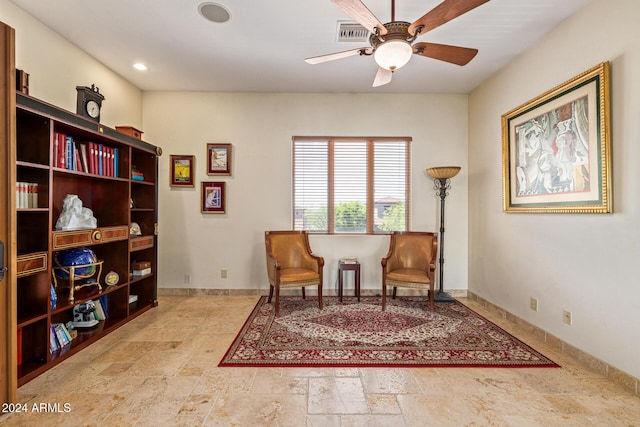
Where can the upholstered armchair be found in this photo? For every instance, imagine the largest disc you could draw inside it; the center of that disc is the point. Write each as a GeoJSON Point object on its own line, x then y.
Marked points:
{"type": "Point", "coordinates": [291, 264]}
{"type": "Point", "coordinates": [410, 263]}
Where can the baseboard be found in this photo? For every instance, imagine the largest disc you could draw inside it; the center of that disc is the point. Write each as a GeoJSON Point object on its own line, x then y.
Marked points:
{"type": "Point", "coordinates": [457, 293]}
{"type": "Point", "coordinates": [583, 358]}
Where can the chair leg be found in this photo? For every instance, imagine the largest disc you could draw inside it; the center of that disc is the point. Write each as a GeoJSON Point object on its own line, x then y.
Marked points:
{"type": "Point", "coordinates": [395, 290]}
{"type": "Point", "coordinates": [270, 292]}
{"type": "Point", "coordinates": [303, 296]}
{"type": "Point", "coordinates": [277, 302]}
{"type": "Point", "coordinates": [431, 300]}
{"type": "Point", "coordinates": [320, 296]}
{"type": "Point", "coordinates": [384, 295]}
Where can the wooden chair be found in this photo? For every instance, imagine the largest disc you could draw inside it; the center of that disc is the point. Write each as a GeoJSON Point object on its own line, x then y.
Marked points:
{"type": "Point", "coordinates": [410, 263]}
{"type": "Point", "coordinates": [291, 264]}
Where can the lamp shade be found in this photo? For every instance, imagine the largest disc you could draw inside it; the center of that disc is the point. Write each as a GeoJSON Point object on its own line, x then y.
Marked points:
{"type": "Point", "coordinates": [393, 54]}
{"type": "Point", "coordinates": [443, 172]}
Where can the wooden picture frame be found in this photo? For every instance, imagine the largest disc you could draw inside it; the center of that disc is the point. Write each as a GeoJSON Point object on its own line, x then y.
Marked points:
{"type": "Point", "coordinates": [219, 159]}
{"type": "Point", "coordinates": [182, 170]}
{"type": "Point", "coordinates": [213, 197]}
{"type": "Point", "coordinates": [556, 149]}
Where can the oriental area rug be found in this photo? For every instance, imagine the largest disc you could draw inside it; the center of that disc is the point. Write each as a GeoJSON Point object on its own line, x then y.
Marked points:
{"type": "Point", "coordinates": [360, 334]}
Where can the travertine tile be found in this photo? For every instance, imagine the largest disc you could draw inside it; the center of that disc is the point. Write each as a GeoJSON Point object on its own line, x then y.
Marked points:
{"type": "Point", "coordinates": [275, 410]}
{"type": "Point", "coordinates": [342, 395]}
{"type": "Point", "coordinates": [161, 369]}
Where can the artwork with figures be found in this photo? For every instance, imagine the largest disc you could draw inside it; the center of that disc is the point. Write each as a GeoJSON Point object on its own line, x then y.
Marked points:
{"type": "Point", "coordinates": [553, 151]}
{"type": "Point", "coordinates": [218, 159]}
{"type": "Point", "coordinates": [556, 149]}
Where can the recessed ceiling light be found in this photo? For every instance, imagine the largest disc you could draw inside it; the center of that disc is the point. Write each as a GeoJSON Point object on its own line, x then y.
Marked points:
{"type": "Point", "coordinates": [140, 66]}
{"type": "Point", "coordinates": [214, 12]}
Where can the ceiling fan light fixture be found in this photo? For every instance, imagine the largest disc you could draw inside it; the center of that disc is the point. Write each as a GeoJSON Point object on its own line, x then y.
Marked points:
{"type": "Point", "coordinates": [393, 54]}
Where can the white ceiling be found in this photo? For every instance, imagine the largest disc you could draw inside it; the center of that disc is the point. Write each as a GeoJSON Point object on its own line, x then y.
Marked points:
{"type": "Point", "coordinates": [263, 47]}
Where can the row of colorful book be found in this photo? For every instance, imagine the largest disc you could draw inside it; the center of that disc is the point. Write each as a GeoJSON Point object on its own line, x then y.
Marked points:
{"type": "Point", "coordinates": [60, 337]}
{"type": "Point", "coordinates": [26, 195]}
{"type": "Point", "coordinates": [89, 157]}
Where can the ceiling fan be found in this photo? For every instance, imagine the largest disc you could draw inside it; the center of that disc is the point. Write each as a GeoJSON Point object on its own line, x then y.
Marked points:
{"type": "Point", "coordinates": [392, 43]}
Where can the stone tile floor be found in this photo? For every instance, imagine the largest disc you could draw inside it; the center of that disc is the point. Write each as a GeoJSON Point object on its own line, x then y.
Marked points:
{"type": "Point", "coordinates": [161, 370]}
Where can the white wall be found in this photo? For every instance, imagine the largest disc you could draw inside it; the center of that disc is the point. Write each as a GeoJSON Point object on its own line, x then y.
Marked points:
{"type": "Point", "coordinates": [260, 127]}
{"type": "Point", "coordinates": [582, 263]}
{"type": "Point", "coordinates": [56, 67]}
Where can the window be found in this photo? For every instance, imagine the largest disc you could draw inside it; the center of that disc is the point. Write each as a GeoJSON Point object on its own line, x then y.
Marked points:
{"type": "Point", "coordinates": [351, 185]}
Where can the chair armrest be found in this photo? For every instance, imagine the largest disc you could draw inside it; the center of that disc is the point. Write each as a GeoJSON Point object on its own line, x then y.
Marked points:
{"type": "Point", "coordinates": [272, 267]}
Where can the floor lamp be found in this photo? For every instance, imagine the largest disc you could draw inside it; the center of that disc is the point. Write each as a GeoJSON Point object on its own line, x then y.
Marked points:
{"type": "Point", "coordinates": [442, 183]}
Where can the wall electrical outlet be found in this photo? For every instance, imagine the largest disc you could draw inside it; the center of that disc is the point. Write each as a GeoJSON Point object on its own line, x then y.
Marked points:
{"type": "Point", "coordinates": [223, 273]}
{"type": "Point", "coordinates": [533, 303]}
{"type": "Point", "coordinates": [566, 317]}
{"type": "Point", "coordinates": [187, 278]}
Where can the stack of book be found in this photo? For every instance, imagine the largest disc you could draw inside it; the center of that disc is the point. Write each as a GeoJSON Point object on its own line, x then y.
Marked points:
{"type": "Point", "coordinates": [26, 195]}
{"type": "Point", "coordinates": [136, 174]}
{"type": "Point", "coordinates": [89, 157]}
{"type": "Point", "coordinates": [59, 337]}
{"type": "Point", "coordinates": [349, 260]}
{"type": "Point", "coordinates": [141, 268]}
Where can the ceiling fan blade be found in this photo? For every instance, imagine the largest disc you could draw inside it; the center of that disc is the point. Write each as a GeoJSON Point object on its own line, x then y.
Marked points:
{"type": "Point", "coordinates": [443, 52]}
{"type": "Point", "coordinates": [333, 56]}
{"type": "Point", "coordinates": [383, 76]}
{"type": "Point", "coordinates": [358, 11]}
{"type": "Point", "coordinates": [443, 13]}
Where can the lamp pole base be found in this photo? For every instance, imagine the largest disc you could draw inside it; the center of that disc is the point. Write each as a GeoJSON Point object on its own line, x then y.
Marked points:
{"type": "Point", "coordinates": [442, 296]}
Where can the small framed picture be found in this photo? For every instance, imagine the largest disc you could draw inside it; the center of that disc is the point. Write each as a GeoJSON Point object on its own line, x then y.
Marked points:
{"type": "Point", "coordinates": [218, 159]}
{"type": "Point", "coordinates": [213, 197]}
{"type": "Point", "coordinates": [182, 171]}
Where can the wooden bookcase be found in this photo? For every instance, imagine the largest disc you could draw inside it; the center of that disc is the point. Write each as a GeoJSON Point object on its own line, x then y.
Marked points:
{"type": "Point", "coordinates": [116, 201]}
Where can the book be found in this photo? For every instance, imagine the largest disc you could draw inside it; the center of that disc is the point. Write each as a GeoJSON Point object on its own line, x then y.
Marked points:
{"type": "Point", "coordinates": [100, 159]}
{"type": "Point", "coordinates": [56, 157]}
{"type": "Point", "coordinates": [116, 153]}
{"type": "Point", "coordinates": [54, 297]}
{"type": "Point", "coordinates": [104, 301]}
{"type": "Point", "coordinates": [77, 163]}
{"type": "Point", "coordinates": [60, 335]}
{"type": "Point", "coordinates": [349, 260]}
{"type": "Point", "coordinates": [33, 193]}
{"type": "Point", "coordinates": [99, 311]}
{"type": "Point", "coordinates": [142, 272]}
{"type": "Point", "coordinates": [53, 341]}
{"type": "Point", "coordinates": [83, 157]}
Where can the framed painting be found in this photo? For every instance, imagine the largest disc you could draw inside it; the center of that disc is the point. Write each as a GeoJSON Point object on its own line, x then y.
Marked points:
{"type": "Point", "coordinates": [213, 197]}
{"type": "Point", "coordinates": [556, 149]}
{"type": "Point", "coordinates": [218, 159]}
{"type": "Point", "coordinates": [182, 170]}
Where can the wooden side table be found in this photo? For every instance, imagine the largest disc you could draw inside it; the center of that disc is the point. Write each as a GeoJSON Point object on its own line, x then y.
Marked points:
{"type": "Point", "coordinates": [347, 266]}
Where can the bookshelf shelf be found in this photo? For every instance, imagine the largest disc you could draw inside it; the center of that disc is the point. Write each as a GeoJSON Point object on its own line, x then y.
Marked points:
{"type": "Point", "coordinates": [105, 187]}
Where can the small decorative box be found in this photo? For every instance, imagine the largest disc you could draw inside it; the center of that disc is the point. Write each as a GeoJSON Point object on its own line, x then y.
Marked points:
{"type": "Point", "coordinates": [141, 265]}
{"type": "Point", "coordinates": [131, 131]}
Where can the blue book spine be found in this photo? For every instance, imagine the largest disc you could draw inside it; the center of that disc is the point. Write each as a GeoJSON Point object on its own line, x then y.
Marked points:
{"type": "Point", "coordinates": [100, 157]}
{"type": "Point", "coordinates": [67, 157]}
{"type": "Point", "coordinates": [115, 162]}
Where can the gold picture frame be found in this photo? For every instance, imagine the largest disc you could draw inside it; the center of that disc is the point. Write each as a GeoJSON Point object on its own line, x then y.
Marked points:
{"type": "Point", "coordinates": [556, 149]}
{"type": "Point", "coordinates": [182, 170]}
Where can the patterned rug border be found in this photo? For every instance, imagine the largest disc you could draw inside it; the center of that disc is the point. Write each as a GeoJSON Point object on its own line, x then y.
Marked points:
{"type": "Point", "coordinates": [546, 362]}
